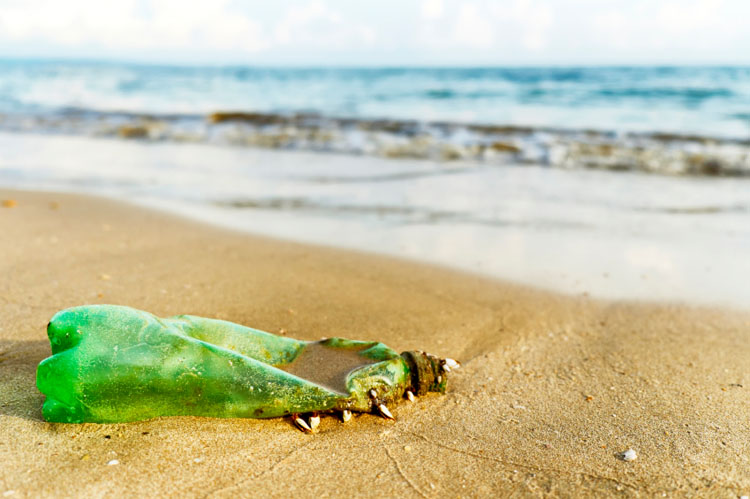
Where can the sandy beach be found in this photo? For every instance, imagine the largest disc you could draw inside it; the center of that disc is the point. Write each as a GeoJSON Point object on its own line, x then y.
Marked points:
{"type": "Point", "coordinates": [551, 390]}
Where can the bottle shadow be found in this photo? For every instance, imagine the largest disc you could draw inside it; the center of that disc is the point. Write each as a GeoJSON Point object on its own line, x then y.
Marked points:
{"type": "Point", "coordinates": [19, 396]}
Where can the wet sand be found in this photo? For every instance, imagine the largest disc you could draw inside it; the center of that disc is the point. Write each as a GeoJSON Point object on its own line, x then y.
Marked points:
{"type": "Point", "coordinates": [552, 387]}
{"type": "Point", "coordinates": [615, 236]}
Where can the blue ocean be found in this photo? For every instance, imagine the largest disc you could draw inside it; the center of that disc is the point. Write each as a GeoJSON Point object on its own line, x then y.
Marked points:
{"type": "Point", "coordinates": [713, 101]}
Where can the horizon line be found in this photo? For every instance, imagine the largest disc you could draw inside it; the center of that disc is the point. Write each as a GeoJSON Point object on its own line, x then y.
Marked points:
{"type": "Point", "coordinates": [349, 65]}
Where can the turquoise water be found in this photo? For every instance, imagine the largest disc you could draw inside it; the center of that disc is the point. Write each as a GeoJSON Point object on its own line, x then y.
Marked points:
{"type": "Point", "coordinates": [672, 121]}
{"type": "Point", "coordinates": [712, 101]}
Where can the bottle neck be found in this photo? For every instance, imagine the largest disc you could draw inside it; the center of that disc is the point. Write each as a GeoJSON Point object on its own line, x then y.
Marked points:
{"type": "Point", "coordinates": [427, 373]}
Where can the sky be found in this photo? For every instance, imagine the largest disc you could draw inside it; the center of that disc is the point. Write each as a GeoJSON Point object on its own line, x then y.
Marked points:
{"type": "Point", "coordinates": [386, 32]}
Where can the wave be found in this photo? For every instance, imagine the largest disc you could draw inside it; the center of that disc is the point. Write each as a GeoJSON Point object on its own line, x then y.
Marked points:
{"type": "Point", "coordinates": [661, 93]}
{"type": "Point", "coordinates": [688, 95]}
{"type": "Point", "coordinates": [401, 213]}
{"type": "Point", "coordinates": [442, 141]}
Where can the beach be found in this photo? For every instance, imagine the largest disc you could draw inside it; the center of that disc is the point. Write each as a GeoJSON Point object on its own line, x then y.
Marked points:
{"type": "Point", "coordinates": [613, 235]}
{"type": "Point", "coordinates": [553, 387]}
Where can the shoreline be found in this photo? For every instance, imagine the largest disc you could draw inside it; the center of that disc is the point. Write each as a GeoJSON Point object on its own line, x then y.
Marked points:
{"type": "Point", "coordinates": [610, 235]}
{"type": "Point", "coordinates": [659, 152]}
{"type": "Point", "coordinates": [552, 387]}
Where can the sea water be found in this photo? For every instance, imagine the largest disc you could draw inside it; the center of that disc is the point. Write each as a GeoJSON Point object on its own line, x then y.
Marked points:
{"type": "Point", "coordinates": [675, 121]}
{"type": "Point", "coordinates": [618, 235]}
{"type": "Point", "coordinates": [713, 101]}
{"type": "Point", "coordinates": [615, 182]}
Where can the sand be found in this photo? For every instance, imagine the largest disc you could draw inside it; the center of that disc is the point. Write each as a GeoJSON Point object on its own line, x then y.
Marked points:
{"type": "Point", "coordinates": [551, 390]}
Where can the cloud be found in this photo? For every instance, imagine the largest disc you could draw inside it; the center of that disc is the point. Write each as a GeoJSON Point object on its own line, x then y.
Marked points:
{"type": "Point", "coordinates": [488, 27]}
{"type": "Point", "coordinates": [472, 29]}
{"type": "Point", "coordinates": [536, 20]}
{"type": "Point", "coordinates": [318, 25]}
{"type": "Point", "coordinates": [529, 20]}
{"type": "Point", "coordinates": [386, 32]}
{"type": "Point", "coordinates": [673, 29]}
{"type": "Point", "coordinates": [432, 9]}
{"type": "Point", "coordinates": [684, 18]}
{"type": "Point", "coordinates": [125, 24]}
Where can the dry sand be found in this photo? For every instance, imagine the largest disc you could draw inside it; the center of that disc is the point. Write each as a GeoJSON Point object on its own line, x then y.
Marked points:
{"type": "Point", "coordinates": [552, 387]}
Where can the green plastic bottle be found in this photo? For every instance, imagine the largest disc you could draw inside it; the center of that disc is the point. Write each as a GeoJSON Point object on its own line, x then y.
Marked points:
{"type": "Point", "coordinates": [113, 364]}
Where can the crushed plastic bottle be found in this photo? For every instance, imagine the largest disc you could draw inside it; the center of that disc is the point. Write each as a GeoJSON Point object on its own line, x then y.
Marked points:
{"type": "Point", "coordinates": [113, 364]}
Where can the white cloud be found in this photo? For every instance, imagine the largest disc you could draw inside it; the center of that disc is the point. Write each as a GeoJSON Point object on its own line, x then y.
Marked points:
{"type": "Point", "coordinates": [611, 26]}
{"type": "Point", "coordinates": [670, 28]}
{"type": "Point", "coordinates": [317, 25]}
{"type": "Point", "coordinates": [536, 20]}
{"type": "Point", "coordinates": [386, 32]}
{"type": "Point", "coordinates": [432, 9]}
{"type": "Point", "coordinates": [684, 18]}
{"type": "Point", "coordinates": [117, 25]}
{"type": "Point", "coordinates": [531, 20]}
{"type": "Point", "coordinates": [472, 29]}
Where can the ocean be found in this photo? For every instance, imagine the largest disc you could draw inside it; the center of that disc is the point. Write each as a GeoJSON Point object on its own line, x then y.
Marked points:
{"type": "Point", "coordinates": [712, 101]}
{"type": "Point", "coordinates": [670, 120]}
{"type": "Point", "coordinates": [624, 183]}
